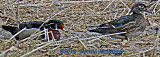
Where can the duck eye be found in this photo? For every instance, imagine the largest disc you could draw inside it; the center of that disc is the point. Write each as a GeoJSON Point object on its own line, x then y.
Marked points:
{"type": "Point", "coordinates": [58, 23]}
{"type": "Point", "coordinates": [141, 6]}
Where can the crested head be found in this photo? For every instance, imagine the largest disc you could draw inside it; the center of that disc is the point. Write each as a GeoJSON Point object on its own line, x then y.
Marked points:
{"type": "Point", "coordinates": [56, 21]}
{"type": "Point", "coordinates": [139, 8]}
{"type": "Point", "coordinates": [55, 24]}
{"type": "Point", "coordinates": [138, 5]}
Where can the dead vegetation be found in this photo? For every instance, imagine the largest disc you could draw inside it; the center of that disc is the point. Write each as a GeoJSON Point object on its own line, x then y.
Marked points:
{"type": "Point", "coordinates": [78, 17]}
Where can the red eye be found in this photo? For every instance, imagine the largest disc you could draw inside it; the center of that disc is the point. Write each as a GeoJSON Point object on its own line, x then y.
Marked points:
{"type": "Point", "coordinates": [58, 23]}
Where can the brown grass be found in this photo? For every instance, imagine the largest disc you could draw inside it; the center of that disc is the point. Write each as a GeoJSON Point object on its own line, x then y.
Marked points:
{"type": "Point", "coordinates": [78, 18]}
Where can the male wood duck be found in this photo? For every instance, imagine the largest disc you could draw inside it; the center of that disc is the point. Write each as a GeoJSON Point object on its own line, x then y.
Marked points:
{"type": "Point", "coordinates": [51, 23]}
{"type": "Point", "coordinates": [134, 24]}
{"type": "Point", "coordinates": [51, 26]}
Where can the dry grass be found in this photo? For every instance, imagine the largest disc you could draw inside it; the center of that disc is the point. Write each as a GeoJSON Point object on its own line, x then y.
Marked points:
{"type": "Point", "coordinates": [78, 18]}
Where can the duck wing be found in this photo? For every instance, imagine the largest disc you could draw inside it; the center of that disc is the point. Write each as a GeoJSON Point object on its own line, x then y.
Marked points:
{"type": "Point", "coordinates": [104, 29]}
{"type": "Point", "coordinates": [118, 25]}
{"type": "Point", "coordinates": [124, 23]}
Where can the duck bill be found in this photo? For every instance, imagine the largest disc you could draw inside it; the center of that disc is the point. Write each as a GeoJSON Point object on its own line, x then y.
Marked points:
{"type": "Point", "coordinates": [64, 29]}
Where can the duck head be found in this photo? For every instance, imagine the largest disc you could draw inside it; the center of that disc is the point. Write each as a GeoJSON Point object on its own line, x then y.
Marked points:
{"type": "Point", "coordinates": [55, 24]}
{"type": "Point", "coordinates": [52, 27]}
{"type": "Point", "coordinates": [139, 8]}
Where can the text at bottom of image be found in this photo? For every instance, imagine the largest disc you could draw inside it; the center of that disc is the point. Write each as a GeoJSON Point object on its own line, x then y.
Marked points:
{"type": "Point", "coordinates": [91, 51]}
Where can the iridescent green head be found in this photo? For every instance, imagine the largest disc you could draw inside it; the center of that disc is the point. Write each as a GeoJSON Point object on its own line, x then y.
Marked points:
{"type": "Point", "coordinates": [55, 24]}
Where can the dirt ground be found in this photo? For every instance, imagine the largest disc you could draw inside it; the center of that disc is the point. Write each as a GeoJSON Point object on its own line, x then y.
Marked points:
{"type": "Point", "coordinates": [78, 18]}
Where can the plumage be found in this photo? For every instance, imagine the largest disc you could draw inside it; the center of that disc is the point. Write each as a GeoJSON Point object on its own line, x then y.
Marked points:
{"type": "Point", "coordinates": [56, 34]}
{"type": "Point", "coordinates": [133, 24]}
{"type": "Point", "coordinates": [29, 25]}
{"type": "Point", "coordinates": [51, 25]}
{"type": "Point", "coordinates": [26, 33]}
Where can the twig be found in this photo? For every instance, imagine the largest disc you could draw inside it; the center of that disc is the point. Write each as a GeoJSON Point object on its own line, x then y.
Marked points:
{"type": "Point", "coordinates": [128, 12]}
{"type": "Point", "coordinates": [2, 40]}
{"type": "Point", "coordinates": [83, 44]}
{"type": "Point", "coordinates": [108, 6]}
{"type": "Point", "coordinates": [31, 52]}
{"type": "Point", "coordinates": [17, 33]}
{"type": "Point", "coordinates": [124, 4]}
{"type": "Point", "coordinates": [4, 11]}
{"type": "Point", "coordinates": [104, 42]}
{"type": "Point", "coordinates": [10, 49]}
{"type": "Point", "coordinates": [92, 40]}
{"type": "Point", "coordinates": [34, 5]}
{"type": "Point", "coordinates": [32, 36]}
{"type": "Point", "coordinates": [100, 40]}
{"type": "Point", "coordinates": [156, 4]}
{"type": "Point", "coordinates": [103, 35]}
{"type": "Point", "coordinates": [41, 44]}
{"type": "Point", "coordinates": [2, 23]}
{"type": "Point", "coordinates": [79, 1]}
{"type": "Point", "coordinates": [115, 15]}
{"type": "Point", "coordinates": [127, 7]}
{"type": "Point", "coordinates": [157, 11]}
{"type": "Point", "coordinates": [89, 9]}
{"type": "Point", "coordinates": [18, 9]}
{"type": "Point", "coordinates": [156, 43]}
{"type": "Point", "coordinates": [35, 50]}
{"type": "Point", "coordinates": [122, 12]}
{"type": "Point", "coordinates": [124, 45]}
{"type": "Point", "coordinates": [6, 21]}
{"type": "Point", "coordinates": [147, 51]}
{"type": "Point", "coordinates": [152, 5]}
{"type": "Point", "coordinates": [52, 3]}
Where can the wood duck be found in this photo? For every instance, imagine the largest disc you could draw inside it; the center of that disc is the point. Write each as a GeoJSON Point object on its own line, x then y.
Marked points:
{"type": "Point", "coordinates": [134, 24]}
{"type": "Point", "coordinates": [51, 26]}
{"type": "Point", "coordinates": [51, 23]}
